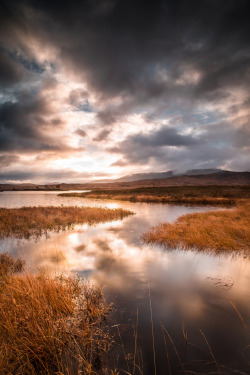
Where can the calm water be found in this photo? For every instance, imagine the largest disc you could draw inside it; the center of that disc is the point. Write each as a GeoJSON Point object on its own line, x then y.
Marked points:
{"type": "Point", "coordinates": [190, 291]}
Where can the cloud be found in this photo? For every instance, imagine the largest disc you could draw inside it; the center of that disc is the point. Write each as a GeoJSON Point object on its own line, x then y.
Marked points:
{"type": "Point", "coordinates": [7, 160]}
{"type": "Point", "coordinates": [48, 176]}
{"type": "Point", "coordinates": [102, 135]}
{"type": "Point", "coordinates": [141, 147]}
{"type": "Point", "coordinates": [22, 124]}
{"type": "Point", "coordinates": [124, 55]}
{"type": "Point", "coordinates": [145, 55]}
{"type": "Point", "coordinates": [10, 71]}
{"type": "Point", "coordinates": [169, 79]}
{"type": "Point", "coordinates": [215, 145]}
{"type": "Point", "coordinates": [81, 132]}
{"type": "Point", "coordinates": [30, 124]}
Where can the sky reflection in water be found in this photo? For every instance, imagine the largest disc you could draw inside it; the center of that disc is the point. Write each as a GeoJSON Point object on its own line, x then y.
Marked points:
{"type": "Point", "coordinates": [196, 288]}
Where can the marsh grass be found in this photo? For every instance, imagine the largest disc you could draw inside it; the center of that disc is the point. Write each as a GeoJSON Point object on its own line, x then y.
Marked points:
{"type": "Point", "coordinates": [8, 265]}
{"type": "Point", "coordinates": [199, 195]}
{"type": "Point", "coordinates": [35, 221]}
{"type": "Point", "coordinates": [219, 230]}
{"type": "Point", "coordinates": [50, 325]}
{"type": "Point", "coordinates": [56, 326]}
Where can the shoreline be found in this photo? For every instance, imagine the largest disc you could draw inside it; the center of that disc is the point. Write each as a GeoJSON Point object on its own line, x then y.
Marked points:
{"type": "Point", "coordinates": [192, 195]}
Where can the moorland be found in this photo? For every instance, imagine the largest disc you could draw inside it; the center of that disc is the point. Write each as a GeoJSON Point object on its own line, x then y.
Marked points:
{"type": "Point", "coordinates": [35, 221]}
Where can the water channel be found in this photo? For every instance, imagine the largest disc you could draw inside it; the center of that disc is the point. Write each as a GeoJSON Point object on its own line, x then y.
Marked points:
{"type": "Point", "coordinates": [200, 300]}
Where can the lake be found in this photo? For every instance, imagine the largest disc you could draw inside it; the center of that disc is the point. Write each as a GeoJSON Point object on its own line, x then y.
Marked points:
{"type": "Point", "coordinates": [200, 301]}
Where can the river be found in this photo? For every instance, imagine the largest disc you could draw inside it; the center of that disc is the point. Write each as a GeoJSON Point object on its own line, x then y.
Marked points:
{"type": "Point", "coordinates": [200, 301]}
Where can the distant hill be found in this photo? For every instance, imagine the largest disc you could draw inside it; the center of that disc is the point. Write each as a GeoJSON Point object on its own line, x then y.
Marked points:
{"type": "Point", "coordinates": [145, 176]}
{"type": "Point", "coordinates": [195, 172]}
{"type": "Point", "coordinates": [160, 175]}
{"type": "Point", "coordinates": [222, 178]}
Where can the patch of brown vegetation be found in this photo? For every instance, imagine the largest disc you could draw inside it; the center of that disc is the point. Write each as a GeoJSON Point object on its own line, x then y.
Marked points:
{"type": "Point", "coordinates": [50, 325]}
{"type": "Point", "coordinates": [198, 195]}
{"type": "Point", "coordinates": [35, 221]}
{"type": "Point", "coordinates": [166, 199]}
{"type": "Point", "coordinates": [8, 265]}
{"type": "Point", "coordinates": [220, 230]}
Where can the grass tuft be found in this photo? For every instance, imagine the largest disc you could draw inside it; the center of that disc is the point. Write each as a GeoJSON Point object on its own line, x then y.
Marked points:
{"type": "Point", "coordinates": [8, 265]}
{"type": "Point", "coordinates": [50, 325]}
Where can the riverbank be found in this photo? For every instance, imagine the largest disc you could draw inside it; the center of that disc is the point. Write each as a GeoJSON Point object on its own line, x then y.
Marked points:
{"type": "Point", "coordinates": [198, 195]}
{"type": "Point", "coordinates": [50, 325]}
{"type": "Point", "coordinates": [219, 230]}
{"type": "Point", "coordinates": [36, 221]}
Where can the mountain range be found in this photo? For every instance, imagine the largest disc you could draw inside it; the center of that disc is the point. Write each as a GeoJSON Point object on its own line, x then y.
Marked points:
{"type": "Point", "coordinates": [192, 177]}
{"type": "Point", "coordinates": [161, 175]}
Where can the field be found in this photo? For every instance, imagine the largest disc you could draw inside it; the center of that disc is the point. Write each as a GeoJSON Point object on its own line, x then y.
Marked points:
{"type": "Point", "coordinates": [219, 230]}
{"type": "Point", "coordinates": [212, 194]}
{"type": "Point", "coordinates": [49, 325]}
{"type": "Point", "coordinates": [35, 221]}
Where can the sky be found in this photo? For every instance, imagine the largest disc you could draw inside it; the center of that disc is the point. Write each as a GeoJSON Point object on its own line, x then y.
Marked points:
{"type": "Point", "coordinates": [97, 89]}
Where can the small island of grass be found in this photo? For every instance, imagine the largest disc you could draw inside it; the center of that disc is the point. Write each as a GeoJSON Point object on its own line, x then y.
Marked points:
{"type": "Point", "coordinates": [36, 221]}
{"type": "Point", "coordinates": [219, 230]}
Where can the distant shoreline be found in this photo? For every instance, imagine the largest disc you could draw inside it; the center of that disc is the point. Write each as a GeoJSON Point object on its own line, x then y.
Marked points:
{"type": "Point", "coordinates": [198, 195]}
{"type": "Point", "coordinates": [218, 179]}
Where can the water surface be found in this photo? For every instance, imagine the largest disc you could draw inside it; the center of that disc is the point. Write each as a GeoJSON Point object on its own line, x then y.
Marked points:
{"type": "Point", "coordinates": [190, 291]}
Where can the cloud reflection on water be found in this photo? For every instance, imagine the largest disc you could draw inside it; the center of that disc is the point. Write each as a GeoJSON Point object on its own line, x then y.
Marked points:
{"type": "Point", "coordinates": [185, 286]}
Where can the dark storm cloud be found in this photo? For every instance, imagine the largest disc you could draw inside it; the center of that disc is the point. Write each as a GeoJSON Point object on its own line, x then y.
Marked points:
{"type": "Point", "coordinates": [119, 46]}
{"type": "Point", "coordinates": [216, 144]}
{"type": "Point", "coordinates": [10, 71]}
{"type": "Point", "coordinates": [26, 127]}
{"type": "Point", "coordinates": [141, 147]}
{"type": "Point", "coordinates": [161, 59]}
{"type": "Point", "coordinates": [107, 116]}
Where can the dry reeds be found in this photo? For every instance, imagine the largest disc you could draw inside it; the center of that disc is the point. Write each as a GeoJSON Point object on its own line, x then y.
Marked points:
{"type": "Point", "coordinates": [199, 195]}
{"type": "Point", "coordinates": [35, 221]}
{"type": "Point", "coordinates": [160, 199]}
{"type": "Point", "coordinates": [8, 265]}
{"type": "Point", "coordinates": [50, 325]}
{"type": "Point", "coordinates": [220, 230]}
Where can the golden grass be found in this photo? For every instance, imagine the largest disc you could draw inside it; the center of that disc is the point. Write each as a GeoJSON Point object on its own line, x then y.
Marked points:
{"type": "Point", "coordinates": [8, 265]}
{"type": "Point", "coordinates": [198, 195]}
{"type": "Point", "coordinates": [155, 199]}
{"type": "Point", "coordinates": [49, 325]}
{"type": "Point", "coordinates": [220, 230]}
{"type": "Point", "coordinates": [35, 221]}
